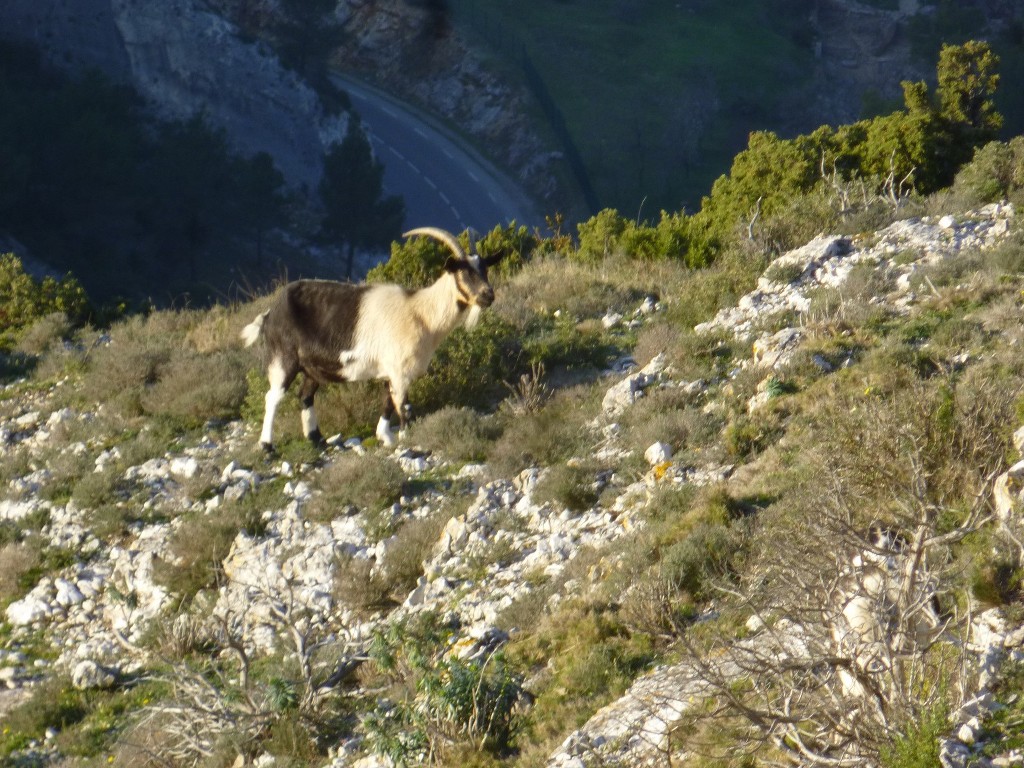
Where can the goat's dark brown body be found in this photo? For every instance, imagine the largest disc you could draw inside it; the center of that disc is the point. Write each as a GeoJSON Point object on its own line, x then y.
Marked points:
{"type": "Point", "coordinates": [310, 323]}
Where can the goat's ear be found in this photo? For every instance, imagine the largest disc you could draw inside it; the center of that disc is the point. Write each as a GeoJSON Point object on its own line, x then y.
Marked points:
{"type": "Point", "coordinates": [452, 264]}
{"type": "Point", "coordinates": [490, 261]}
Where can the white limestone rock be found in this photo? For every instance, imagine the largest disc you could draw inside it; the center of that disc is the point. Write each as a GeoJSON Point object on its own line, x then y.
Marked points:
{"type": "Point", "coordinates": [622, 395]}
{"type": "Point", "coordinates": [611, 320]}
{"type": "Point", "coordinates": [31, 609]}
{"type": "Point", "coordinates": [90, 675]}
{"type": "Point", "coordinates": [658, 453]}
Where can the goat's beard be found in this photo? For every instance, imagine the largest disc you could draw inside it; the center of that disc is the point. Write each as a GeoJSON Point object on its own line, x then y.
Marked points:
{"type": "Point", "coordinates": [472, 316]}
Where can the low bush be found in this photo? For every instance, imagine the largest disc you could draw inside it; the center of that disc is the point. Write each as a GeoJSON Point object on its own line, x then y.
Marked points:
{"type": "Point", "coordinates": [441, 704]}
{"type": "Point", "coordinates": [919, 746]}
{"type": "Point", "coordinates": [16, 560]}
{"type": "Point", "coordinates": [470, 367]}
{"type": "Point", "coordinates": [457, 433]}
{"type": "Point", "coordinates": [25, 300]}
{"type": "Point", "coordinates": [554, 434]}
{"type": "Point", "coordinates": [568, 486]}
{"type": "Point", "coordinates": [993, 174]}
{"type": "Point", "coordinates": [368, 483]}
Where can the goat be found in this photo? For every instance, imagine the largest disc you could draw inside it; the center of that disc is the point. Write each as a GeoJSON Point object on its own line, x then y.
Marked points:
{"type": "Point", "coordinates": [335, 332]}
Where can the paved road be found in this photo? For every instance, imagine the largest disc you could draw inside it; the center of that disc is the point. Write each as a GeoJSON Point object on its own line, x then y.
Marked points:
{"type": "Point", "coordinates": [444, 182]}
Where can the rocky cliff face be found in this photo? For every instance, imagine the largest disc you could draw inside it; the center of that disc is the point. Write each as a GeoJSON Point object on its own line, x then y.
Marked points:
{"type": "Point", "coordinates": [186, 60]}
{"type": "Point", "coordinates": [864, 49]}
{"type": "Point", "coordinates": [411, 50]}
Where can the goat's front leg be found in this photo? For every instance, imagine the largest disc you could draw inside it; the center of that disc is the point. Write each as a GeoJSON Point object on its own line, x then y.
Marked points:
{"type": "Point", "coordinates": [394, 401]}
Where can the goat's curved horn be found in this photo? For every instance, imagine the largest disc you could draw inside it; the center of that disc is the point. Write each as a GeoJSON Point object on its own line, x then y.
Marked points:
{"type": "Point", "coordinates": [439, 234]}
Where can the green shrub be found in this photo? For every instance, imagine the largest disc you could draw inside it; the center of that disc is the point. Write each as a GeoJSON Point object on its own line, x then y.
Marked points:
{"type": "Point", "coordinates": [918, 746]}
{"type": "Point", "coordinates": [419, 261]}
{"type": "Point", "coordinates": [996, 171]}
{"type": "Point", "coordinates": [559, 342]}
{"type": "Point", "coordinates": [607, 234]}
{"type": "Point", "coordinates": [599, 236]}
{"type": "Point", "coordinates": [447, 704]}
{"type": "Point", "coordinates": [24, 300]}
{"type": "Point", "coordinates": [690, 565]}
{"type": "Point", "coordinates": [414, 263]}
{"type": "Point", "coordinates": [747, 436]}
{"type": "Point", "coordinates": [515, 241]}
{"type": "Point", "coordinates": [470, 367]}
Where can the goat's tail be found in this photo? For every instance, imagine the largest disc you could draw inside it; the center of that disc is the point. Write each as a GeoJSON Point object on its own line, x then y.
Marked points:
{"type": "Point", "coordinates": [252, 331]}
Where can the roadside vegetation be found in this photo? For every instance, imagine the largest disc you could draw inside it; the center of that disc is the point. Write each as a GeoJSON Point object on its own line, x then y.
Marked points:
{"type": "Point", "coordinates": [905, 425]}
{"type": "Point", "coordinates": [595, 68]}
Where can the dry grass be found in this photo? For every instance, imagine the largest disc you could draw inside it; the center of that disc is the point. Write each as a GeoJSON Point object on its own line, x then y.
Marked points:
{"type": "Point", "coordinates": [16, 559]}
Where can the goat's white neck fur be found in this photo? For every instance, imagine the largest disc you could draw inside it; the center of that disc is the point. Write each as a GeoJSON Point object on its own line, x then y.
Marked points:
{"type": "Point", "coordinates": [437, 305]}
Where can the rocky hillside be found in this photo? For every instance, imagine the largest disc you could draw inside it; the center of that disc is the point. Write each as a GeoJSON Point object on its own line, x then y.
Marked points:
{"type": "Point", "coordinates": [185, 60]}
{"type": "Point", "coordinates": [586, 573]}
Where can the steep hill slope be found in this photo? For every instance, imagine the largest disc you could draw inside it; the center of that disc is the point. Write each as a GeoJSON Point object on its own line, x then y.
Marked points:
{"type": "Point", "coordinates": [690, 457]}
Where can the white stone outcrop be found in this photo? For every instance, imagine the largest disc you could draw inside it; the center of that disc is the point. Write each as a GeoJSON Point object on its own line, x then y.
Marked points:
{"type": "Point", "coordinates": [619, 397]}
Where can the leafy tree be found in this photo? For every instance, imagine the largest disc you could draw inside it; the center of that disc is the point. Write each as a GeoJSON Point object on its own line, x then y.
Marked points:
{"type": "Point", "coordinates": [306, 38]}
{"type": "Point", "coordinates": [352, 191]}
{"type": "Point", "coordinates": [259, 202]}
{"type": "Point", "coordinates": [967, 84]}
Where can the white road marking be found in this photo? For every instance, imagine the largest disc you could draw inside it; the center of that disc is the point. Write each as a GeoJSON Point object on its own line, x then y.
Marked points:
{"type": "Point", "coordinates": [445, 198]}
{"type": "Point", "coordinates": [396, 153]}
{"type": "Point", "coordinates": [420, 132]}
{"type": "Point", "coordinates": [389, 111]}
{"type": "Point", "coordinates": [473, 176]}
{"type": "Point", "coordinates": [415, 170]}
{"type": "Point", "coordinates": [448, 153]}
{"type": "Point", "coordinates": [430, 182]}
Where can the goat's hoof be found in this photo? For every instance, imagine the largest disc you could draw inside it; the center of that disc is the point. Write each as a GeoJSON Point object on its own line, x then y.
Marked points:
{"type": "Point", "coordinates": [268, 448]}
{"type": "Point", "coordinates": [317, 439]}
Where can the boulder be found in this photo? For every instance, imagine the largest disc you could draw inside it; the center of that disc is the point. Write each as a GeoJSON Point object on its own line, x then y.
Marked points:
{"type": "Point", "coordinates": [88, 674]}
{"type": "Point", "coordinates": [658, 453]}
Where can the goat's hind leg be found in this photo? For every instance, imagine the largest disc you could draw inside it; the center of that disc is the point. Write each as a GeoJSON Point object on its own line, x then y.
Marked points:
{"type": "Point", "coordinates": [310, 425]}
{"type": "Point", "coordinates": [280, 374]}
